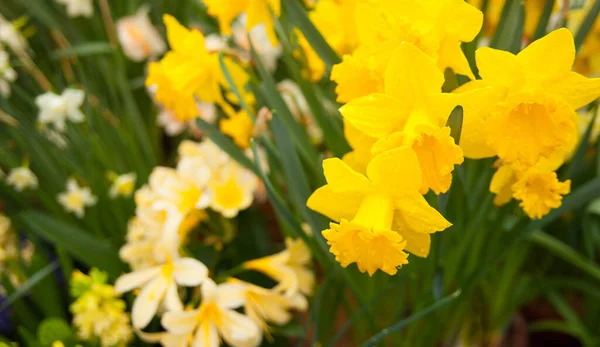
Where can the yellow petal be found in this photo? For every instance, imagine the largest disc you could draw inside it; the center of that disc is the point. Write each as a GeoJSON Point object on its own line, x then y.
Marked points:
{"type": "Point", "coordinates": [411, 76]}
{"type": "Point", "coordinates": [335, 204]}
{"type": "Point", "coordinates": [395, 172]}
{"type": "Point", "coordinates": [417, 243]}
{"type": "Point", "coordinates": [540, 192]}
{"type": "Point", "coordinates": [413, 213]}
{"type": "Point", "coordinates": [501, 184]}
{"type": "Point", "coordinates": [356, 138]}
{"type": "Point", "coordinates": [550, 57]}
{"type": "Point", "coordinates": [354, 78]}
{"type": "Point", "coordinates": [498, 68]}
{"type": "Point", "coordinates": [469, 25]}
{"type": "Point", "coordinates": [575, 89]}
{"type": "Point", "coordinates": [451, 55]}
{"type": "Point", "coordinates": [376, 115]}
{"type": "Point", "coordinates": [176, 32]}
{"type": "Point", "coordinates": [341, 177]}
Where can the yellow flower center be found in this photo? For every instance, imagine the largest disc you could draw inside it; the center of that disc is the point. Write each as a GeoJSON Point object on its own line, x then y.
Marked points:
{"type": "Point", "coordinates": [540, 192]}
{"type": "Point", "coordinates": [229, 195]}
{"type": "Point", "coordinates": [75, 200]}
{"type": "Point", "coordinates": [189, 198]}
{"type": "Point", "coordinates": [167, 268]}
{"type": "Point", "coordinates": [126, 188]}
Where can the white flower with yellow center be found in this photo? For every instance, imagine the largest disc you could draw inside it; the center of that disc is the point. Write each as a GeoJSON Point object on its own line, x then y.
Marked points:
{"type": "Point", "coordinates": [76, 8]}
{"type": "Point", "coordinates": [216, 318]}
{"type": "Point", "coordinates": [288, 267]}
{"type": "Point", "coordinates": [123, 185]}
{"type": "Point", "coordinates": [159, 285]}
{"type": "Point", "coordinates": [7, 74]}
{"type": "Point", "coordinates": [232, 189]}
{"type": "Point", "coordinates": [77, 198]}
{"type": "Point", "coordinates": [138, 37]}
{"type": "Point", "coordinates": [22, 178]}
{"type": "Point", "coordinates": [263, 305]}
{"type": "Point", "coordinates": [11, 36]}
{"type": "Point", "coordinates": [56, 109]}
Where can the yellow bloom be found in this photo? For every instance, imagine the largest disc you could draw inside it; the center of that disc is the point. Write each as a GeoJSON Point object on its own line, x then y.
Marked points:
{"type": "Point", "coordinates": [330, 17]}
{"type": "Point", "coordinates": [22, 178]}
{"type": "Point", "coordinates": [216, 318]}
{"type": "Point", "coordinates": [289, 267]}
{"type": "Point", "coordinates": [97, 311]}
{"type": "Point", "coordinates": [76, 198]}
{"type": "Point", "coordinates": [263, 305]}
{"type": "Point", "coordinates": [159, 285]}
{"type": "Point", "coordinates": [412, 113]}
{"type": "Point", "coordinates": [257, 12]}
{"type": "Point", "coordinates": [239, 127]}
{"type": "Point", "coordinates": [361, 144]}
{"type": "Point", "coordinates": [533, 117]}
{"type": "Point", "coordinates": [382, 25]}
{"type": "Point", "coordinates": [540, 192]}
{"type": "Point", "coordinates": [379, 214]}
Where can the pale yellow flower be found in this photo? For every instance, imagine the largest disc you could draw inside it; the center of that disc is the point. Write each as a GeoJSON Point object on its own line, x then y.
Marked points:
{"type": "Point", "coordinates": [76, 198]}
{"type": "Point", "coordinates": [123, 185]}
{"type": "Point", "coordinates": [22, 178]}
{"type": "Point", "coordinates": [138, 37]}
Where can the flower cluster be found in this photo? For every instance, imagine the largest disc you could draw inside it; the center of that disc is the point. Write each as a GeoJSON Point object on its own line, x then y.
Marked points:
{"type": "Point", "coordinates": [529, 121]}
{"type": "Point", "coordinates": [98, 312]}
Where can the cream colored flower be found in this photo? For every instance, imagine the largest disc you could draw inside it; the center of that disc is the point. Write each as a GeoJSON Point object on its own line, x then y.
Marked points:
{"type": "Point", "coordinates": [22, 178]}
{"type": "Point", "coordinates": [216, 318]}
{"type": "Point", "coordinates": [123, 185]}
{"type": "Point", "coordinates": [159, 285]}
{"type": "Point", "coordinates": [138, 37]}
{"type": "Point", "coordinates": [269, 54]}
{"type": "Point", "coordinates": [7, 74]}
{"type": "Point", "coordinates": [232, 189]}
{"type": "Point", "coordinates": [76, 8]}
{"type": "Point", "coordinates": [264, 306]}
{"type": "Point", "coordinates": [11, 36]}
{"type": "Point", "coordinates": [288, 267]}
{"type": "Point", "coordinates": [56, 109]}
{"type": "Point", "coordinates": [77, 198]}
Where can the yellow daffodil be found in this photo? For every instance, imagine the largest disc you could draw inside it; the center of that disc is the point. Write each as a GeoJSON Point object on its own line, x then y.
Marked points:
{"type": "Point", "coordinates": [382, 25]}
{"type": "Point", "coordinates": [537, 95]}
{"type": "Point", "coordinates": [330, 17]}
{"type": "Point", "coordinates": [257, 12]}
{"type": "Point", "coordinates": [216, 318]}
{"type": "Point", "coordinates": [239, 127]}
{"type": "Point", "coordinates": [288, 267]}
{"type": "Point", "coordinates": [159, 285]}
{"type": "Point", "coordinates": [412, 112]}
{"type": "Point", "coordinates": [263, 305]}
{"type": "Point", "coordinates": [76, 198]}
{"type": "Point", "coordinates": [361, 144]}
{"type": "Point", "coordinates": [379, 215]}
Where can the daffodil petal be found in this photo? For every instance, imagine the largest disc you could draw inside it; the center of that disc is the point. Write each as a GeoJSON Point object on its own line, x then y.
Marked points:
{"type": "Point", "coordinates": [376, 114]}
{"type": "Point", "coordinates": [180, 322]}
{"type": "Point", "coordinates": [231, 295]}
{"type": "Point", "coordinates": [189, 272]}
{"type": "Point", "coordinates": [396, 171]}
{"type": "Point", "coordinates": [341, 177]}
{"type": "Point", "coordinates": [335, 204]}
{"type": "Point", "coordinates": [135, 279]}
{"type": "Point", "coordinates": [575, 89]}
{"type": "Point", "coordinates": [146, 304]}
{"type": "Point", "coordinates": [414, 213]}
{"type": "Point", "coordinates": [550, 57]}
{"type": "Point", "coordinates": [417, 244]}
{"type": "Point", "coordinates": [411, 75]}
{"type": "Point", "coordinates": [207, 335]}
{"type": "Point", "coordinates": [498, 68]}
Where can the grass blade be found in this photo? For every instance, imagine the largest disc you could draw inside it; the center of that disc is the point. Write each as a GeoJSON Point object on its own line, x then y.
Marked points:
{"type": "Point", "coordinates": [84, 50]}
{"type": "Point", "coordinates": [586, 25]}
{"type": "Point", "coordinates": [401, 324]}
{"type": "Point", "coordinates": [540, 30]}
{"type": "Point", "coordinates": [510, 30]}
{"type": "Point", "coordinates": [31, 282]}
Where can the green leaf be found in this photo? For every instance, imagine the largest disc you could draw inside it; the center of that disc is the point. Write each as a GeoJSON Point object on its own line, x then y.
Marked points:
{"type": "Point", "coordinates": [226, 144]}
{"type": "Point", "coordinates": [84, 50]}
{"type": "Point", "coordinates": [577, 162]}
{"type": "Point", "coordinates": [31, 282]}
{"type": "Point", "coordinates": [563, 251]}
{"type": "Point", "coordinates": [80, 244]}
{"type": "Point", "coordinates": [401, 324]}
{"type": "Point", "coordinates": [510, 28]}
{"type": "Point", "coordinates": [455, 122]}
{"type": "Point", "coordinates": [586, 25]}
{"type": "Point", "coordinates": [540, 30]}
{"type": "Point", "coordinates": [234, 88]}
{"type": "Point", "coordinates": [299, 18]}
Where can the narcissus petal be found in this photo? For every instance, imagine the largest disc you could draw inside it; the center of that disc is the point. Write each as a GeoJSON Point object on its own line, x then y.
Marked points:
{"type": "Point", "coordinates": [550, 57]}
{"type": "Point", "coordinates": [335, 204]}
{"type": "Point", "coordinates": [376, 115]}
{"type": "Point", "coordinates": [414, 213]}
{"type": "Point", "coordinates": [395, 171]}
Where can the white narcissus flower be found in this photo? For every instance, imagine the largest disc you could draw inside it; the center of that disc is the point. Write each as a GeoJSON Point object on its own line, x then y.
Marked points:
{"type": "Point", "coordinates": [7, 74]}
{"type": "Point", "coordinates": [138, 37]}
{"type": "Point", "coordinates": [268, 53]}
{"type": "Point", "coordinates": [22, 178]}
{"type": "Point", "coordinates": [76, 198]}
{"type": "Point", "coordinates": [214, 320]}
{"type": "Point", "coordinates": [123, 185]}
{"type": "Point", "coordinates": [159, 285]}
{"type": "Point", "coordinates": [11, 36]}
{"type": "Point", "coordinates": [232, 189]}
{"type": "Point", "coordinates": [56, 109]}
{"type": "Point", "coordinates": [76, 8]}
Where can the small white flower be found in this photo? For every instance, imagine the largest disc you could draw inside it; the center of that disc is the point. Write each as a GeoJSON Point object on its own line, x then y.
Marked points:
{"type": "Point", "coordinates": [168, 120]}
{"type": "Point", "coordinates": [22, 178]}
{"type": "Point", "coordinates": [56, 109]}
{"type": "Point", "coordinates": [123, 185]}
{"type": "Point", "coordinates": [77, 8]}
{"type": "Point", "coordinates": [159, 285]}
{"type": "Point", "coordinates": [10, 36]}
{"type": "Point", "coordinates": [76, 198]}
{"type": "Point", "coordinates": [138, 37]}
{"type": "Point", "coordinates": [268, 53]}
{"type": "Point", "coordinates": [7, 74]}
